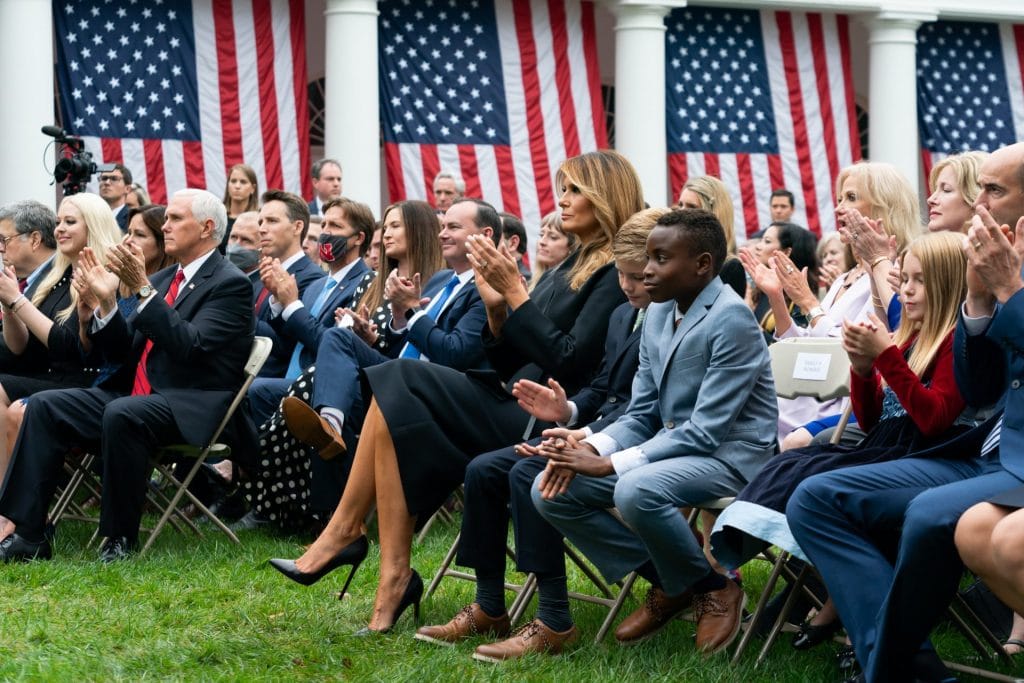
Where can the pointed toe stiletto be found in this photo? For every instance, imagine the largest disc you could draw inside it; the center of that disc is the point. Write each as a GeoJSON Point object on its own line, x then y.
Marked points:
{"type": "Point", "coordinates": [352, 554]}
{"type": "Point", "coordinates": [412, 596]}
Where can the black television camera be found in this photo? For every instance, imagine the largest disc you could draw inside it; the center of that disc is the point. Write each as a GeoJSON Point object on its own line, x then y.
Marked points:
{"type": "Point", "coordinates": [76, 167]}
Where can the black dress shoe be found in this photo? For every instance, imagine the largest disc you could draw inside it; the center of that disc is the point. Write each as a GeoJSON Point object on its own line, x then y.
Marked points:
{"type": "Point", "coordinates": [411, 596]}
{"type": "Point", "coordinates": [251, 520]}
{"type": "Point", "coordinates": [811, 635]}
{"type": "Point", "coordinates": [118, 548]}
{"type": "Point", "coordinates": [846, 658]}
{"type": "Point", "coordinates": [14, 548]}
{"type": "Point", "coordinates": [230, 507]}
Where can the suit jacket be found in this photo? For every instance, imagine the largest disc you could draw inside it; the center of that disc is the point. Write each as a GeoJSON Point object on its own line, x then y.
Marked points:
{"type": "Point", "coordinates": [989, 371]}
{"type": "Point", "coordinates": [607, 396]}
{"type": "Point", "coordinates": [302, 327]}
{"type": "Point", "coordinates": [200, 347]}
{"type": "Point", "coordinates": [704, 388]}
{"type": "Point", "coordinates": [122, 218]}
{"type": "Point", "coordinates": [306, 273]}
{"type": "Point", "coordinates": [454, 338]}
{"type": "Point", "coordinates": [558, 332]}
{"type": "Point", "coordinates": [314, 210]}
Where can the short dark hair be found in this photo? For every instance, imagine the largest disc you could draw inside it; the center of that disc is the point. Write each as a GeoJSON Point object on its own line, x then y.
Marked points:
{"type": "Point", "coordinates": [783, 192]}
{"type": "Point", "coordinates": [511, 225]}
{"type": "Point", "coordinates": [125, 173]}
{"type": "Point", "coordinates": [802, 245]}
{"type": "Point", "coordinates": [30, 216]}
{"type": "Point", "coordinates": [359, 215]}
{"type": "Point", "coordinates": [703, 231]}
{"type": "Point", "coordinates": [153, 217]}
{"type": "Point", "coordinates": [319, 166]}
{"type": "Point", "coordinates": [486, 217]}
{"type": "Point", "coordinates": [295, 206]}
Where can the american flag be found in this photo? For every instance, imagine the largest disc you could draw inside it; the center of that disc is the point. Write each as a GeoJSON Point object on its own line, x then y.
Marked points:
{"type": "Point", "coordinates": [499, 91]}
{"type": "Point", "coordinates": [969, 94]}
{"type": "Point", "coordinates": [761, 100]}
{"type": "Point", "coordinates": [181, 91]}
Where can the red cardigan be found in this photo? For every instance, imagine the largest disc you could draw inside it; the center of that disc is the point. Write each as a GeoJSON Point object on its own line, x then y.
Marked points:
{"type": "Point", "coordinates": [933, 408]}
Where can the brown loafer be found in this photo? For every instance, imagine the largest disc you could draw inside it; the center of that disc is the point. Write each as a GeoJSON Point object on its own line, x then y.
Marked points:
{"type": "Point", "coordinates": [468, 622]}
{"type": "Point", "coordinates": [308, 427]}
{"type": "Point", "coordinates": [656, 612]}
{"type": "Point", "coordinates": [718, 616]}
{"type": "Point", "coordinates": [534, 637]}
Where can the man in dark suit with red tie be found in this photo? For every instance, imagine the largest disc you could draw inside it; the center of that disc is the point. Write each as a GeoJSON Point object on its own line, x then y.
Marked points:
{"type": "Point", "coordinates": [182, 354]}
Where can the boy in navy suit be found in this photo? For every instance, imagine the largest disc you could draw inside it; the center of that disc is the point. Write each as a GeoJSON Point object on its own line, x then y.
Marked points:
{"type": "Point", "coordinates": [494, 480]}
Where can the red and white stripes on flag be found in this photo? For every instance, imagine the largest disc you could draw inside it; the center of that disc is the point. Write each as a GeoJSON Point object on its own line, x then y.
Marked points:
{"type": "Point", "coordinates": [250, 82]}
{"type": "Point", "coordinates": [551, 93]}
{"type": "Point", "coordinates": [806, 68]}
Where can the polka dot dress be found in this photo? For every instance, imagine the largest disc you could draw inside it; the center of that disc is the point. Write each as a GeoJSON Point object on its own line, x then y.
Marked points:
{"type": "Point", "coordinates": [280, 489]}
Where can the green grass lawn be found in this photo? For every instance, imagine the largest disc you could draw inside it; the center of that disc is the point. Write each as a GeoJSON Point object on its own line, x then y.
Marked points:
{"type": "Point", "coordinates": [207, 610]}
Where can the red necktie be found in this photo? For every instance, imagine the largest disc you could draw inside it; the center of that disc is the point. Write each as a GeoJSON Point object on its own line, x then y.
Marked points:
{"type": "Point", "coordinates": [264, 293]}
{"type": "Point", "coordinates": [142, 387]}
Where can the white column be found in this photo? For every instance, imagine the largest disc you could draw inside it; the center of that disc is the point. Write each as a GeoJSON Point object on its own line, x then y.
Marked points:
{"type": "Point", "coordinates": [892, 98]}
{"type": "Point", "coordinates": [26, 81]}
{"type": "Point", "coordinates": [351, 112]}
{"type": "Point", "coordinates": [640, 92]}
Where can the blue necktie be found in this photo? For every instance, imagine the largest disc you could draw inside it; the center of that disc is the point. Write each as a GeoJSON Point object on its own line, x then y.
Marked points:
{"type": "Point", "coordinates": [295, 365]}
{"type": "Point", "coordinates": [433, 310]}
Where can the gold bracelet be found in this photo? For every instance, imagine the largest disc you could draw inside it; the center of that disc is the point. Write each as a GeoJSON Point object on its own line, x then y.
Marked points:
{"type": "Point", "coordinates": [877, 261]}
{"type": "Point", "coordinates": [21, 305]}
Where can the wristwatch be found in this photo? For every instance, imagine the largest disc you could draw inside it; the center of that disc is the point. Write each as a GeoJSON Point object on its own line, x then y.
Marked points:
{"type": "Point", "coordinates": [410, 312]}
{"type": "Point", "coordinates": [815, 312]}
{"type": "Point", "coordinates": [144, 291]}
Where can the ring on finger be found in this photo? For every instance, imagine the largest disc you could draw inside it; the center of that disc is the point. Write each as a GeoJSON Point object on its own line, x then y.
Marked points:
{"type": "Point", "coordinates": [789, 269]}
{"type": "Point", "coordinates": [977, 245]}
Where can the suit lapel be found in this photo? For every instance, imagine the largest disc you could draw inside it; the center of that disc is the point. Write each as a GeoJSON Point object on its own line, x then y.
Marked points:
{"type": "Point", "coordinates": [197, 282]}
{"type": "Point", "coordinates": [623, 349]}
{"type": "Point", "coordinates": [697, 312]}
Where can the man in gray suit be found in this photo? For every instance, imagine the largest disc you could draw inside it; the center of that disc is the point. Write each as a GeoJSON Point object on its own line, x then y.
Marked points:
{"type": "Point", "coordinates": [698, 427]}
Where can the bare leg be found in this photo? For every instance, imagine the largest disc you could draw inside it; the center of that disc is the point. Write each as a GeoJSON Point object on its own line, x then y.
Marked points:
{"type": "Point", "coordinates": [10, 422]}
{"type": "Point", "coordinates": [826, 615]}
{"type": "Point", "coordinates": [1016, 634]}
{"type": "Point", "coordinates": [395, 525]}
{"type": "Point", "coordinates": [347, 522]}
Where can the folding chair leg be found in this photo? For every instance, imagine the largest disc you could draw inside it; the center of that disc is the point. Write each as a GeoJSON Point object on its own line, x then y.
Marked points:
{"type": "Point", "coordinates": [994, 648]}
{"type": "Point", "coordinates": [443, 569]}
{"type": "Point", "coordinates": [522, 599]}
{"type": "Point", "coordinates": [578, 560]}
{"type": "Point", "coordinates": [783, 615]}
{"type": "Point", "coordinates": [613, 611]}
{"type": "Point", "coordinates": [762, 602]}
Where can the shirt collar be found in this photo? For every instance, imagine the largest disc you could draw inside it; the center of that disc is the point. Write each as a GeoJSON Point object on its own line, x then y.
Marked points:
{"type": "Point", "coordinates": [34, 275]}
{"type": "Point", "coordinates": [290, 261]}
{"type": "Point", "coordinates": [191, 269]}
{"type": "Point", "coordinates": [340, 275]}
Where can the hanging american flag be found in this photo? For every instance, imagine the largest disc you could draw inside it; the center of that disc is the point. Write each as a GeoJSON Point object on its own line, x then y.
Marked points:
{"type": "Point", "coordinates": [498, 91]}
{"type": "Point", "coordinates": [180, 91]}
{"type": "Point", "coordinates": [969, 94]}
{"type": "Point", "coordinates": [761, 100]}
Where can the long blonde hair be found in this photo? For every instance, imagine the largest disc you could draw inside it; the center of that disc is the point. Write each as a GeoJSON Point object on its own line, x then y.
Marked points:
{"type": "Point", "coordinates": [611, 185]}
{"type": "Point", "coordinates": [714, 197]}
{"type": "Point", "coordinates": [102, 233]}
{"type": "Point", "coordinates": [944, 270]}
{"type": "Point", "coordinates": [892, 199]}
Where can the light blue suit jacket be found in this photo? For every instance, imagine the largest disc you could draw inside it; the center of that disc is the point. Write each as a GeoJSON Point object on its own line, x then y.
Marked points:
{"type": "Point", "coordinates": [705, 388]}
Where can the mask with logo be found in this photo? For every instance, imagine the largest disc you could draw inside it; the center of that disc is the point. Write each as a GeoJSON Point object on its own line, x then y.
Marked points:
{"type": "Point", "coordinates": [245, 259]}
{"type": "Point", "coordinates": [332, 247]}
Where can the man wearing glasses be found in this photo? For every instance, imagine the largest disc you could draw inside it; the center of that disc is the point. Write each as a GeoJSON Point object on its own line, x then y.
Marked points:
{"type": "Point", "coordinates": [115, 185]}
{"type": "Point", "coordinates": [26, 240]}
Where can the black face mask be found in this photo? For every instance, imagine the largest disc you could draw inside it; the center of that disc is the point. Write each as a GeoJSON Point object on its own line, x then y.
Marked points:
{"type": "Point", "coordinates": [332, 247]}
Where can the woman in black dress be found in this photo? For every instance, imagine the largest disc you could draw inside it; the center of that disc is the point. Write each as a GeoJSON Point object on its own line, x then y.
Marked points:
{"type": "Point", "coordinates": [427, 421]}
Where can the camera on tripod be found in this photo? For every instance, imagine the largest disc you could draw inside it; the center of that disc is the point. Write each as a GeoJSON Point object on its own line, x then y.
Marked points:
{"type": "Point", "coordinates": [76, 166]}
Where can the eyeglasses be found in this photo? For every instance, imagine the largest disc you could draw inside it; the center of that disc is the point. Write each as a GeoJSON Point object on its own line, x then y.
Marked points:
{"type": "Point", "coordinates": [111, 178]}
{"type": "Point", "coordinates": [4, 240]}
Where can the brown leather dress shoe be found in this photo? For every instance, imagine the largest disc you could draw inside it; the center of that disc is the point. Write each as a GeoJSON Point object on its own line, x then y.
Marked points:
{"type": "Point", "coordinates": [308, 427]}
{"type": "Point", "coordinates": [468, 622]}
{"type": "Point", "coordinates": [718, 614]}
{"type": "Point", "coordinates": [534, 637]}
{"type": "Point", "coordinates": [656, 612]}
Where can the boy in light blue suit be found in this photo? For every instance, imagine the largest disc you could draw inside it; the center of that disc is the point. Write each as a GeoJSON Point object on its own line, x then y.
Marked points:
{"type": "Point", "coordinates": [699, 426]}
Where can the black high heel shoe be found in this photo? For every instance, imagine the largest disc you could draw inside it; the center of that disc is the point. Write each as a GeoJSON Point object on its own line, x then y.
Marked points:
{"type": "Point", "coordinates": [412, 596]}
{"type": "Point", "coordinates": [354, 554]}
{"type": "Point", "coordinates": [811, 635]}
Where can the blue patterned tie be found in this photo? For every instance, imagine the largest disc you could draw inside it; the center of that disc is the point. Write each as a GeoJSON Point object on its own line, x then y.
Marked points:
{"type": "Point", "coordinates": [433, 310]}
{"type": "Point", "coordinates": [295, 365]}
